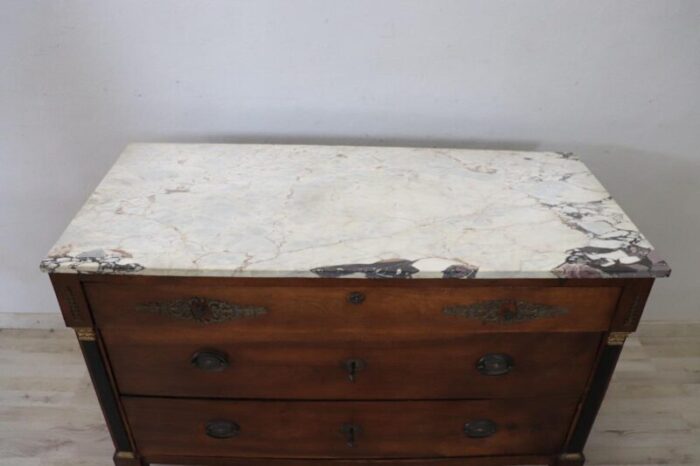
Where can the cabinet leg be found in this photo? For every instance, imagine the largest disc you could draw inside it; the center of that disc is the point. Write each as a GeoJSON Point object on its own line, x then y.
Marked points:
{"type": "Point", "coordinates": [571, 459]}
{"type": "Point", "coordinates": [127, 458]}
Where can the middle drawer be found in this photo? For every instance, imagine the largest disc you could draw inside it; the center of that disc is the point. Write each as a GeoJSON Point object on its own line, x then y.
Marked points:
{"type": "Point", "coordinates": [220, 363]}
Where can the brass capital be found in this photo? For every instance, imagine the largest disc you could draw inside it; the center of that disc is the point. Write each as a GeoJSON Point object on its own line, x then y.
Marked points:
{"type": "Point", "coordinates": [617, 338]}
{"type": "Point", "coordinates": [85, 333]}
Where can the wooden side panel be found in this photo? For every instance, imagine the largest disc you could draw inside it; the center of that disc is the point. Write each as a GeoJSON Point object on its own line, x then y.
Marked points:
{"type": "Point", "coordinates": [316, 366]}
{"type": "Point", "coordinates": [410, 429]}
{"type": "Point", "coordinates": [631, 305]}
{"type": "Point", "coordinates": [71, 299]}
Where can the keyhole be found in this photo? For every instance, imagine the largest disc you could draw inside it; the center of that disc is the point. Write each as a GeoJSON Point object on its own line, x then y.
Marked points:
{"type": "Point", "coordinates": [351, 437]}
{"type": "Point", "coordinates": [352, 370]}
{"type": "Point", "coordinates": [353, 366]}
{"type": "Point", "coordinates": [350, 431]}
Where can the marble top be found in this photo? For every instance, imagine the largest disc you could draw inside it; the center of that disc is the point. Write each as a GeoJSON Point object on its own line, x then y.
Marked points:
{"type": "Point", "coordinates": [355, 212]}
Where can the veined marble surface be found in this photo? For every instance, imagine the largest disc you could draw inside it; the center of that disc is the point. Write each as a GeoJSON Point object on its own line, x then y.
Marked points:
{"type": "Point", "coordinates": [340, 211]}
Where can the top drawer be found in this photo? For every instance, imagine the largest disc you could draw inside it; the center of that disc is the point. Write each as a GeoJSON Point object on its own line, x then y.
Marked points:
{"type": "Point", "coordinates": [386, 307]}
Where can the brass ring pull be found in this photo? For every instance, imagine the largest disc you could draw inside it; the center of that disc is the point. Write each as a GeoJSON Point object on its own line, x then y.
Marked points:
{"type": "Point", "coordinates": [495, 364]}
{"type": "Point", "coordinates": [222, 429]}
{"type": "Point", "coordinates": [480, 428]}
{"type": "Point", "coordinates": [209, 361]}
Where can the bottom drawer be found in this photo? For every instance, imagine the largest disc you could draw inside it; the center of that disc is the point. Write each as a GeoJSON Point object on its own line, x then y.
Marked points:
{"type": "Point", "coordinates": [357, 429]}
{"type": "Point", "coordinates": [461, 461]}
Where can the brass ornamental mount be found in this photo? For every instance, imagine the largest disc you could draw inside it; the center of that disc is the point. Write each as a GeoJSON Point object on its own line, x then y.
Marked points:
{"type": "Point", "coordinates": [571, 457]}
{"type": "Point", "coordinates": [85, 333]}
{"type": "Point", "coordinates": [504, 311]}
{"type": "Point", "coordinates": [617, 338]}
{"type": "Point", "coordinates": [202, 310]}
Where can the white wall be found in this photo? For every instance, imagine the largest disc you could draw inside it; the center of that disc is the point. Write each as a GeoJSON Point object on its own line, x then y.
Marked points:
{"type": "Point", "coordinates": [617, 81]}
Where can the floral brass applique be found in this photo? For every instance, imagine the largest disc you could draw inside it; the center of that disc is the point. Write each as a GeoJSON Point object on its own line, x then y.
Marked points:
{"type": "Point", "coordinates": [504, 311]}
{"type": "Point", "coordinates": [202, 310]}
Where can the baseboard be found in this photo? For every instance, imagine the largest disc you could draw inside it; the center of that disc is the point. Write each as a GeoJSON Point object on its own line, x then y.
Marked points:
{"type": "Point", "coordinates": [668, 328]}
{"type": "Point", "coordinates": [44, 320]}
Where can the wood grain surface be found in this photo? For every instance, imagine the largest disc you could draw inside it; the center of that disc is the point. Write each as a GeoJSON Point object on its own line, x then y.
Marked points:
{"type": "Point", "coordinates": [319, 365]}
{"type": "Point", "coordinates": [398, 429]}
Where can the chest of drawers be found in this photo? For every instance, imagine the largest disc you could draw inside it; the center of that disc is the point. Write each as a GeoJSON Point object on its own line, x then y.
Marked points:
{"type": "Point", "coordinates": [345, 306]}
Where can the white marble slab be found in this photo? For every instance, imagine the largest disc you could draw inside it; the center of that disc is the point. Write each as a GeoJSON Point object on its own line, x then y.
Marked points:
{"type": "Point", "coordinates": [338, 211]}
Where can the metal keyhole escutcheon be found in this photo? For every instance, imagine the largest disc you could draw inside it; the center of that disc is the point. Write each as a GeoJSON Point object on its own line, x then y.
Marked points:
{"type": "Point", "coordinates": [353, 366]}
{"type": "Point", "coordinates": [356, 297]}
{"type": "Point", "coordinates": [350, 432]}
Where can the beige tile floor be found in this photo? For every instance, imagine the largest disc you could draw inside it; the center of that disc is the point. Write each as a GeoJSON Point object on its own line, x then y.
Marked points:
{"type": "Point", "coordinates": [49, 414]}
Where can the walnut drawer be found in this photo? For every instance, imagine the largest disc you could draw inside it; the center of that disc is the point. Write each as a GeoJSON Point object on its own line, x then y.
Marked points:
{"type": "Point", "coordinates": [358, 429]}
{"type": "Point", "coordinates": [529, 460]}
{"type": "Point", "coordinates": [217, 362]}
{"type": "Point", "coordinates": [352, 307]}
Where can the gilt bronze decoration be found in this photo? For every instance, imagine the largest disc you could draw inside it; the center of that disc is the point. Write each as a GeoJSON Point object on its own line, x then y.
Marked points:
{"type": "Point", "coordinates": [85, 333]}
{"type": "Point", "coordinates": [202, 310]}
{"type": "Point", "coordinates": [617, 338]}
{"type": "Point", "coordinates": [504, 311]}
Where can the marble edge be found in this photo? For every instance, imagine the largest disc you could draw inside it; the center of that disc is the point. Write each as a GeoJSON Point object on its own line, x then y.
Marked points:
{"type": "Point", "coordinates": [398, 269]}
{"type": "Point", "coordinates": [141, 144]}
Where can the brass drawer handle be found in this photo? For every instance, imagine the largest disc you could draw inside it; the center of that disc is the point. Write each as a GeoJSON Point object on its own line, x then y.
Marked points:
{"type": "Point", "coordinates": [210, 361]}
{"type": "Point", "coordinates": [480, 428]}
{"type": "Point", "coordinates": [350, 432]}
{"type": "Point", "coordinates": [495, 364]}
{"type": "Point", "coordinates": [353, 366]}
{"type": "Point", "coordinates": [222, 429]}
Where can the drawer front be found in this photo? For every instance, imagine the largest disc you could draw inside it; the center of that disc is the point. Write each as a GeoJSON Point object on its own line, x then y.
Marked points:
{"type": "Point", "coordinates": [211, 362]}
{"type": "Point", "coordinates": [392, 307]}
{"type": "Point", "coordinates": [462, 461]}
{"type": "Point", "coordinates": [349, 429]}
